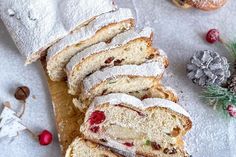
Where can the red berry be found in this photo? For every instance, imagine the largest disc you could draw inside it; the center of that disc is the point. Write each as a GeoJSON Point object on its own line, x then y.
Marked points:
{"type": "Point", "coordinates": [94, 129]}
{"type": "Point", "coordinates": [45, 137]}
{"type": "Point", "coordinates": [97, 117]}
{"type": "Point", "coordinates": [231, 110]}
{"type": "Point", "coordinates": [213, 35]}
{"type": "Point", "coordinates": [128, 144]}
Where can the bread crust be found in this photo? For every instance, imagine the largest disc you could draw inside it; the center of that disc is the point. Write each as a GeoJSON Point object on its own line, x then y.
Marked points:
{"type": "Point", "coordinates": [207, 6]}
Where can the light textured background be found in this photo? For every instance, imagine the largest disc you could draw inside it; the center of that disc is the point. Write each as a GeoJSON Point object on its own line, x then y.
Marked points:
{"type": "Point", "coordinates": [179, 32]}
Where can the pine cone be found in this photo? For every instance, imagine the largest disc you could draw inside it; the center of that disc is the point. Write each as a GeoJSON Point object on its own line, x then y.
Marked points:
{"type": "Point", "coordinates": [232, 83]}
{"type": "Point", "coordinates": [208, 68]}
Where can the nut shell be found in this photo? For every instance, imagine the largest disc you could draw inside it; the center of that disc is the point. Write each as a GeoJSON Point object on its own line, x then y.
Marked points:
{"type": "Point", "coordinates": [22, 93]}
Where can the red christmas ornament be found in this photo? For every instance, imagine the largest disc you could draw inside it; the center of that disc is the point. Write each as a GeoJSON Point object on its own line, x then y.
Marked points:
{"type": "Point", "coordinates": [212, 36]}
{"type": "Point", "coordinates": [45, 137]}
{"type": "Point", "coordinates": [231, 110]}
{"type": "Point", "coordinates": [97, 117]}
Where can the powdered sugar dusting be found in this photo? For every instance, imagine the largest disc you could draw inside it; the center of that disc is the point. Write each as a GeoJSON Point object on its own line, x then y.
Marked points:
{"type": "Point", "coordinates": [117, 41]}
{"type": "Point", "coordinates": [90, 30]}
{"type": "Point", "coordinates": [35, 25]}
{"type": "Point", "coordinates": [152, 69]}
{"type": "Point", "coordinates": [149, 102]}
{"type": "Point", "coordinates": [117, 98]}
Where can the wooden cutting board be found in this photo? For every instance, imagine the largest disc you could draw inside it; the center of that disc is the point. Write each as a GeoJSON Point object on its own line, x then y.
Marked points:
{"type": "Point", "coordinates": [68, 118]}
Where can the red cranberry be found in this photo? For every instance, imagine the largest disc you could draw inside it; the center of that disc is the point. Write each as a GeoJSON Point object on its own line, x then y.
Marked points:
{"type": "Point", "coordinates": [45, 137]}
{"type": "Point", "coordinates": [97, 117]}
{"type": "Point", "coordinates": [213, 35]}
{"type": "Point", "coordinates": [94, 129]}
{"type": "Point", "coordinates": [231, 110]}
{"type": "Point", "coordinates": [128, 144]}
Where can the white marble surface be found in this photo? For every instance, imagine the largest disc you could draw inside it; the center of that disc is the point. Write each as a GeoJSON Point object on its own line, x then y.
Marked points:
{"type": "Point", "coordinates": [179, 32]}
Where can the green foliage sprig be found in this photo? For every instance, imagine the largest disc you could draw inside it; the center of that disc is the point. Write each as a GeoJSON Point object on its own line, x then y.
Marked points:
{"type": "Point", "coordinates": [219, 98]}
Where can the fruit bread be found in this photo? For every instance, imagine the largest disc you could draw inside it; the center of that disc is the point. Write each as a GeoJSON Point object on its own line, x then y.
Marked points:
{"type": "Point", "coordinates": [156, 91]}
{"type": "Point", "coordinates": [36, 25]}
{"type": "Point", "coordinates": [102, 28]}
{"type": "Point", "coordinates": [121, 79]}
{"type": "Point", "coordinates": [152, 127]}
{"type": "Point", "coordinates": [200, 4]}
{"type": "Point", "coordinates": [84, 148]}
{"type": "Point", "coordinates": [130, 47]}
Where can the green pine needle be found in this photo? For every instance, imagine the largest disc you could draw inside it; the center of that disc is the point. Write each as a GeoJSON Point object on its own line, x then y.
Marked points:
{"type": "Point", "coordinates": [231, 47]}
{"type": "Point", "coordinates": [219, 98]}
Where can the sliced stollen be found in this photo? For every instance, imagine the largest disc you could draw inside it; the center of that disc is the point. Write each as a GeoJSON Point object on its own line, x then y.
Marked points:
{"type": "Point", "coordinates": [124, 78]}
{"type": "Point", "coordinates": [120, 79]}
{"type": "Point", "coordinates": [35, 25]}
{"type": "Point", "coordinates": [152, 127]}
{"type": "Point", "coordinates": [130, 47]}
{"type": "Point", "coordinates": [157, 91]}
{"type": "Point", "coordinates": [102, 28]}
{"type": "Point", "coordinates": [84, 148]}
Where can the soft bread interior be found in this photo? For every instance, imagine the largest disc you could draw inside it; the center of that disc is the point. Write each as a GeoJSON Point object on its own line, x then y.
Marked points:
{"type": "Point", "coordinates": [135, 52]}
{"type": "Point", "coordinates": [156, 91]}
{"type": "Point", "coordinates": [153, 131]}
{"type": "Point", "coordinates": [56, 65]}
{"type": "Point", "coordinates": [84, 148]}
{"type": "Point", "coordinates": [122, 84]}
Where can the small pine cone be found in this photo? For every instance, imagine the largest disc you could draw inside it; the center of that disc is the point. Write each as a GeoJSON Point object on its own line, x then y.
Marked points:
{"type": "Point", "coordinates": [208, 68]}
{"type": "Point", "coordinates": [232, 83]}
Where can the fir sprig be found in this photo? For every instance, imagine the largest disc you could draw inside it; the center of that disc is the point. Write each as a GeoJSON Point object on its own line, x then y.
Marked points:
{"type": "Point", "coordinates": [231, 47]}
{"type": "Point", "coordinates": [219, 98]}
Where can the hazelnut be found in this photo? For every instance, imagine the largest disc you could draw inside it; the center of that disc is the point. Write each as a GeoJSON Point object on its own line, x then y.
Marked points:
{"type": "Point", "coordinates": [22, 93]}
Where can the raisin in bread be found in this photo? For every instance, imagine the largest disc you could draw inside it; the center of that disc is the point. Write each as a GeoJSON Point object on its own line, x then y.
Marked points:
{"type": "Point", "coordinates": [130, 47]}
{"type": "Point", "coordinates": [152, 127]}
{"type": "Point", "coordinates": [84, 148]}
{"type": "Point", "coordinates": [102, 28]}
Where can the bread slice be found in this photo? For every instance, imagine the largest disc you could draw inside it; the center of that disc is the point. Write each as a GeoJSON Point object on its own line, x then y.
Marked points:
{"type": "Point", "coordinates": [121, 79]}
{"type": "Point", "coordinates": [157, 91]}
{"type": "Point", "coordinates": [125, 78]}
{"type": "Point", "coordinates": [84, 148]}
{"type": "Point", "coordinates": [102, 28]}
{"type": "Point", "coordinates": [152, 127]}
{"type": "Point", "coordinates": [130, 47]}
